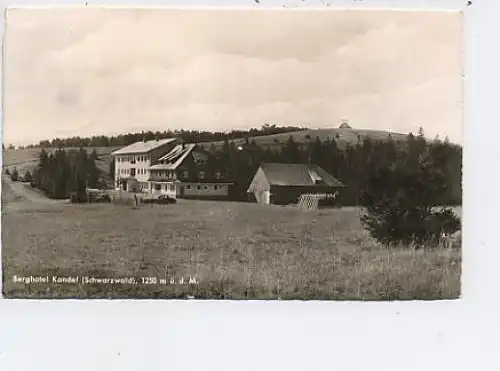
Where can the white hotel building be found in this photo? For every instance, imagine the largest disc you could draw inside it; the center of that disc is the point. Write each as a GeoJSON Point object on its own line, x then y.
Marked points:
{"type": "Point", "coordinates": [132, 163]}
{"type": "Point", "coordinates": [169, 167]}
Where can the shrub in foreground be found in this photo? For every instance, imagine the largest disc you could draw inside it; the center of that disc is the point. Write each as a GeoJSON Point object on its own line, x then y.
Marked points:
{"type": "Point", "coordinates": [14, 176]}
{"type": "Point", "coordinates": [403, 205]}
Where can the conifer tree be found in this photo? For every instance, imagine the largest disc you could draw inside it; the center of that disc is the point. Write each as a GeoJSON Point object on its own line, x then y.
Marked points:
{"type": "Point", "coordinates": [404, 205]}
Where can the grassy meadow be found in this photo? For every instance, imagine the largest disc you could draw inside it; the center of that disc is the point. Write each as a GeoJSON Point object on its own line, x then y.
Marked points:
{"type": "Point", "coordinates": [233, 250]}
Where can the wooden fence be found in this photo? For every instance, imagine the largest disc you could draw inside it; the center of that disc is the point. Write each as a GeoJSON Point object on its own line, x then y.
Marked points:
{"type": "Point", "coordinates": [309, 201]}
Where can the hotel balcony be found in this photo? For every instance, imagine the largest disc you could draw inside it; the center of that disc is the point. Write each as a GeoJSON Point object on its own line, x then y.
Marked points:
{"type": "Point", "coordinates": [161, 178]}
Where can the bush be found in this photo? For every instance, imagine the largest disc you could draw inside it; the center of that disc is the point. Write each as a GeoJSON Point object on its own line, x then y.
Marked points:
{"type": "Point", "coordinates": [403, 205]}
{"type": "Point", "coordinates": [28, 177]}
{"type": "Point", "coordinates": [14, 176]}
{"type": "Point", "coordinates": [75, 197]}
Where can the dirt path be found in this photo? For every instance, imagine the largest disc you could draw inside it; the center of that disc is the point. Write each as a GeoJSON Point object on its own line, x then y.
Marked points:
{"type": "Point", "coordinates": [18, 196]}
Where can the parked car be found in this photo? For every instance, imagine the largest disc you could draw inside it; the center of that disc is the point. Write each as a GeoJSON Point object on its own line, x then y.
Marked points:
{"type": "Point", "coordinates": [161, 200]}
{"type": "Point", "coordinates": [164, 199]}
{"type": "Point", "coordinates": [103, 198]}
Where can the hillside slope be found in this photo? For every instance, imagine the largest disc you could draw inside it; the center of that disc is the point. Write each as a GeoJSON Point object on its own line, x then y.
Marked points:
{"type": "Point", "coordinates": [342, 136]}
{"type": "Point", "coordinates": [27, 159]}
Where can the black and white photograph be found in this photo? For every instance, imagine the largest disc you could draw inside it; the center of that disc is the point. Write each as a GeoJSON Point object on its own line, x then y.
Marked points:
{"type": "Point", "coordinates": [232, 154]}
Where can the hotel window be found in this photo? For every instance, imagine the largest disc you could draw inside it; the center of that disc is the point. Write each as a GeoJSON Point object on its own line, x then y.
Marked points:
{"type": "Point", "coordinates": [199, 187]}
{"type": "Point", "coordinates": [218, 175]}
{"type": "Point", "coordinates": [202, 175]}
{"type": "Point", "coordinates": [206, 187]}
{"type": "Point", "coordinates": [215, 187]}
{"type": "Point", "coordinates": [188, 187]}
{"type": "Point", "coordinates": [185, 174]}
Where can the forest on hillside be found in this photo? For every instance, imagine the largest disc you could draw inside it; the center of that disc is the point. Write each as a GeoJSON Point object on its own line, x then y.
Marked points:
{"type": "Point", "coordinates": [354, 165]}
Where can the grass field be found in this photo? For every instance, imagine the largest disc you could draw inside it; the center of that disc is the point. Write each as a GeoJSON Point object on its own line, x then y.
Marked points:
{"type": "Point", "coordinates": [232, 250]}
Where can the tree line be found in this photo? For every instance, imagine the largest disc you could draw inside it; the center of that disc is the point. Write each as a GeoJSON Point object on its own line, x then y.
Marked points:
{"type": "Point", "coordinates": [188, 136]}
{"type": "Point", "coordinates": [353, 164]}
{"type": "Point", "coordinates": [63, 173]}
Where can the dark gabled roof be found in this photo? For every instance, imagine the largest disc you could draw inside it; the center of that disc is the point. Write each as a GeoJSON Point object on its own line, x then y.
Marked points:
{"type": "Point", "coordinates": [175, 157]}
{"type": "Point", "coordinates": [279, 174]}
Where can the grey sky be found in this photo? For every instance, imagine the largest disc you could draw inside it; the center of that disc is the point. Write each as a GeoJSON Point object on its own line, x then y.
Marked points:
{"type": "Point", "coordinates": [106, 71]}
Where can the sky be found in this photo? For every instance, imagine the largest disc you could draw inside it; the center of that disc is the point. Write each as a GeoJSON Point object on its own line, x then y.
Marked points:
{"type": "Point", "coordinates": [92, 71]}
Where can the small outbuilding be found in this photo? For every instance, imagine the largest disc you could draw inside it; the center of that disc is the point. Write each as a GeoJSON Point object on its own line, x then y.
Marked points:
{"type": "Point", "coordinates": [345, 125]}
{"type": "Point", "coordinates": [284, 184]}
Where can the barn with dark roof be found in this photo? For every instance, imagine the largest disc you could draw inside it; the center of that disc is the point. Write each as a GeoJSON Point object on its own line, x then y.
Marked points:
{"type": "Point", "coordinates": [283, 184]}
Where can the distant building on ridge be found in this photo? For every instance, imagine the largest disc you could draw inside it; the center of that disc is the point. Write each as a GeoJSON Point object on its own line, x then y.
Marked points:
{"type": "Point", "coordinates": [344, 125]}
